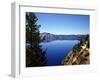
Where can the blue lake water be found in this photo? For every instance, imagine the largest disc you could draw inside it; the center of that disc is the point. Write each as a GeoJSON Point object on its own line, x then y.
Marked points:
{"type": "Point", "coordinates": [57, 50]}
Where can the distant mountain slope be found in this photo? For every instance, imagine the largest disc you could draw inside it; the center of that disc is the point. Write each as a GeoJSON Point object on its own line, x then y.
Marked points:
{"type": "Point", "coordinates": [79, 55]}
{"type": "Point", "coordinates": [47, 37]}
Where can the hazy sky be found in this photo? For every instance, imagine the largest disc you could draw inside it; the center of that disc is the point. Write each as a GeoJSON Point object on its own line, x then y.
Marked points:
{"type": "Point", "coordinates": [63, 23]}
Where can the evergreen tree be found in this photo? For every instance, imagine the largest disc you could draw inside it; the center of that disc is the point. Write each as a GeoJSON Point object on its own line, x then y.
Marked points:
{"type": "Point", "coordinates": [35, 56]}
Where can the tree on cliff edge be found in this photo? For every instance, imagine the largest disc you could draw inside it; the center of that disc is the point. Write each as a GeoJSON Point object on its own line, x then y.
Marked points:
{"type": "Point", "coordinates": [35, 56]}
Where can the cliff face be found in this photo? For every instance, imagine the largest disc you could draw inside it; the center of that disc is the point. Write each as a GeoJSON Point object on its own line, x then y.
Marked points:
{"type": "Point", "coordinates": [47, 37]}
{"type": "Point", "coordinates": [80, 53]}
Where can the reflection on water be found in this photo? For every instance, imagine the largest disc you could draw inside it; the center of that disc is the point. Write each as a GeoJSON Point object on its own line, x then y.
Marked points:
{"type": "Point", "coordinates": [57, 50]}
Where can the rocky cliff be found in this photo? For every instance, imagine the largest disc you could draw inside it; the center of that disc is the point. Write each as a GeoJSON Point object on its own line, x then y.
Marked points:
{"type": "Point", "coordinates": [47, 37]}
{"type": "Point", "coordinates": [80, 54]}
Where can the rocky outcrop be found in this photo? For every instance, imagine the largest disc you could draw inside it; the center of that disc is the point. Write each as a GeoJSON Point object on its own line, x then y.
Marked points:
{"type": "Point", "coordinates": [47, 37]}
{"type": "Point", "coordinates": [80, 54]}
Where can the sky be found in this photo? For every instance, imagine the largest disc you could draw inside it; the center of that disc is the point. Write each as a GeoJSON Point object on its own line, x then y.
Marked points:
{"type": "Point", "coordinates": [63, 23]}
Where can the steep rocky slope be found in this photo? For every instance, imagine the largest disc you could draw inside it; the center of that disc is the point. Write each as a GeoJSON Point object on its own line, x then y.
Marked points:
{"type": "Point", "coordinates": [80, 54]}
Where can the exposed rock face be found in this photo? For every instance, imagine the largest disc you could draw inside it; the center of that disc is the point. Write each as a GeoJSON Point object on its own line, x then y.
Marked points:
{"type": "Point", "coordinates": [79, 55]}
{"type": "Point", "coordinates": [47, 37]}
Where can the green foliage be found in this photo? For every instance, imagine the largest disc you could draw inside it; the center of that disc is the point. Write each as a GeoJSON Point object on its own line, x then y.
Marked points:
{"type": "Point", "coordinates": [80, 53]}
{"type": "Point", "coordinates": [77, 47]}
{"type": "Point", "coordinates": [35, 56]}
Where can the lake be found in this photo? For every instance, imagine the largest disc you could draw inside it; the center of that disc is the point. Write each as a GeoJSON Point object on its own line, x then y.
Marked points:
{"type": "Point", "coordinates": [57, 50]}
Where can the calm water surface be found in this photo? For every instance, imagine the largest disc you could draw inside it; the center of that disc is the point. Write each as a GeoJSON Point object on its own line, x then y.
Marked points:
{"type": "Point", "coordinates": [57, 50]}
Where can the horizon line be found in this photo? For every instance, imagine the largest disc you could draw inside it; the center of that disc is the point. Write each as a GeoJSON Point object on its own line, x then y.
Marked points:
{"type": "Point", "coordinates": [66, 34]}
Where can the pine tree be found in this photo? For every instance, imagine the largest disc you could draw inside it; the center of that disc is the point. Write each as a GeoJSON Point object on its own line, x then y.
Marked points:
{"type": "Point", "coordinates": [35, 56]}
